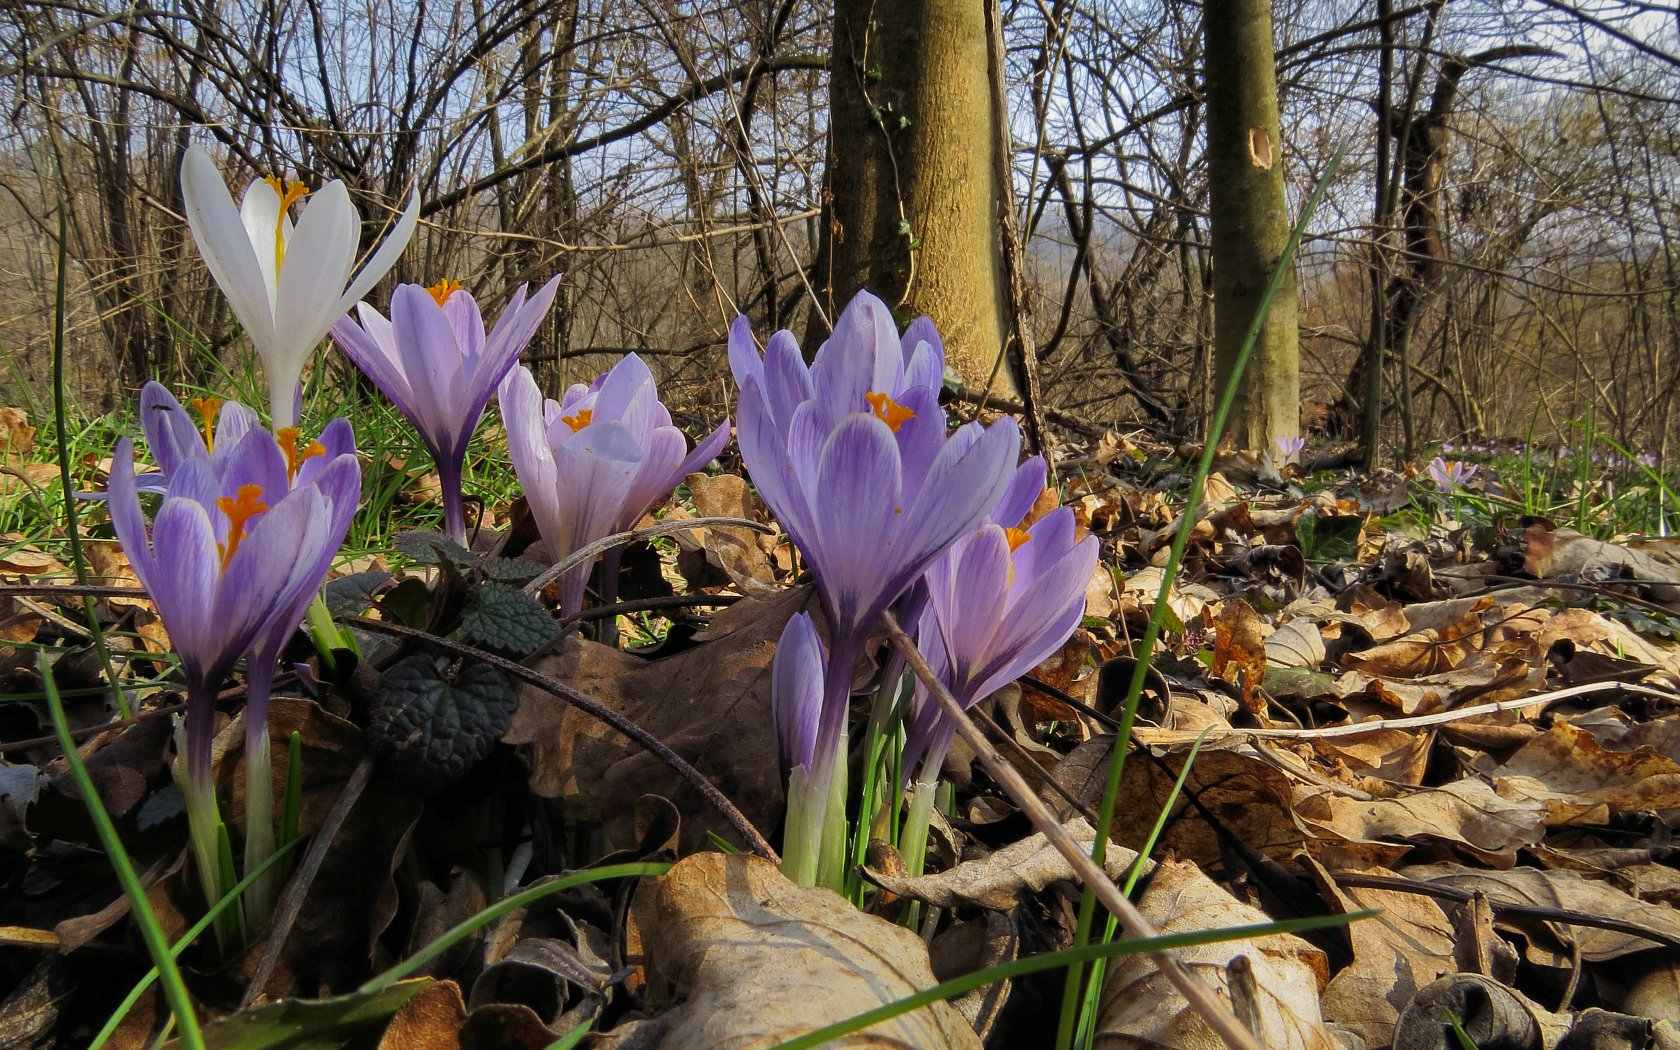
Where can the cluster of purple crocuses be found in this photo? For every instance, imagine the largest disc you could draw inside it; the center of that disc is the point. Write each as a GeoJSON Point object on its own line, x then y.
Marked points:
{"type": "Point", "coordinates": [853, 456]}
{"type": "Point", "coordinates": [852, 453]}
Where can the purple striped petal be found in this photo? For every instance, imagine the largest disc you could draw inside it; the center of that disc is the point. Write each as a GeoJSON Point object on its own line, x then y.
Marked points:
{"type": "Point", "coordinates": [796, 692]}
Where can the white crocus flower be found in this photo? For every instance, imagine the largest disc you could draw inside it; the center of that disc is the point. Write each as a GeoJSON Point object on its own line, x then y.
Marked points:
{"type": "Point", "coordinates": [287, 284]}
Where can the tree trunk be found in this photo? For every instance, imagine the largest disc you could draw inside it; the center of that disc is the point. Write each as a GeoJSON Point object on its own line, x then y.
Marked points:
{"type": "Point", "coordinates": [1250, 222]}
{"type": "Point", "coordinates": [913, 191]}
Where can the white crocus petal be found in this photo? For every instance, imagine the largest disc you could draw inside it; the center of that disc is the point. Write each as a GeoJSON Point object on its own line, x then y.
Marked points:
{"type": "Point", "coordinates": [259, 210]}
{"type": "Point", "coordinates": [222, 241]}
{"type": "Point", "coordinates": [317, 263]}
{"type": "Point", "coordinates": [383, 259]}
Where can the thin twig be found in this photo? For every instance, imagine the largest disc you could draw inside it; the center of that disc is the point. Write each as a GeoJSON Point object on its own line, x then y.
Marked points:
{"type": "Point", "coordinates": [291, 900]}
{"type": "Point", "coordinates": [595, 709]}
{"type": "Point", "coordinates": [1361, 728]}
{"type": "Point", "coordinates": [585, 555]}
{"type": "Point", "coordinates": [1201, 999]}
{"type": "Point", "coordinates": [1402, 884]}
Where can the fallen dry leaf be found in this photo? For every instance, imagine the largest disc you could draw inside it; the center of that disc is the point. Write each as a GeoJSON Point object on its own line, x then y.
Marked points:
{"type": "Point", "coordinates": [998, 881]}
{"type": "Point", "coordinates": [1548, 942]}
{"type": "Point", "coordinates": [710, 704]}
{"type": "Point", "coordinates": [1140, 1009]}
{"type": "Point", "coordinates": [740, 957]}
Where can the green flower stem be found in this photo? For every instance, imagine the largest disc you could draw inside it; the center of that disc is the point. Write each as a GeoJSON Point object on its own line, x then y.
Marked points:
{"type": "Point", "coordinates": [174, 989]}
{"type": "Point", "coordinates": [831, 858]}
{"type": "Point", "coordinates": [1072, 995]}
{"type": "Point", "coordinates": [517, 900]}
{"type": "Point", "coordinates": [61, 433]}
{"type": "Point", "coordinates": [259, 824]}
{"type": "Point", "coordinates": [175, 950]}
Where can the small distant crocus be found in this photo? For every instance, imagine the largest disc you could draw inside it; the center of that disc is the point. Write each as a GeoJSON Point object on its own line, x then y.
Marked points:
{"type": "Point", "coordinates": [434, 361]}
{"type": "Point", "coordinates": [1450, 475]}
{"type": "Point", "coordinates": [237, 549]}
{"type": "Point", "coordinates": [287, 284]}
{"type": "Point", "coordinates": [1000, 602]}
{"type": "Point", "coordinates": [1648, 460]}
{"type": "Point", "coordinates": [1289, 448]}
{"type": "Point", "coordinates": [852, 457]}
{"type": "Point", "coordinates": [593, 463]}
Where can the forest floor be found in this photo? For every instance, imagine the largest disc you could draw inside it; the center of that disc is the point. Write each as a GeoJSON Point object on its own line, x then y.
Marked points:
{"type": "Point", "coordinates": [1439, 706]}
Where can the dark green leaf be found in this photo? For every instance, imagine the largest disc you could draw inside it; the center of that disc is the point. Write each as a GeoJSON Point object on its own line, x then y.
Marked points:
{"type": "Point", "coordinates": [507, 619]}
{"type": "Point", "coordinates": [432, 721]}
{"type": "Point", "coordinates": [408, 603]}
{"type": "Point", "coordinates": [511, 570]}
{"type": "Point", "coordinates": [430, 548]}
{"type": "Point", "coordinates": [352, 595]}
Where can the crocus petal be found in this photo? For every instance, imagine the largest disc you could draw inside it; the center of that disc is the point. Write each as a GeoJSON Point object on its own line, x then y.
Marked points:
{"type": "Point", "coordinates": [1022, 492]}
{"type": "Point", "coordinates": [184, 587]}
{"type": "Point", "coordinates": [375, 358]}
{"type": "Point", "coordinates": [862, 355]}
{"type": "Point", "coordinates": [796, 691]}
{"type": "Point", "coordinates": [383, 259]}
{"type": "Point", "coordinates": [924, 355]}
{"type": "Point", "coordinates": [318, 261]}
{"type": "Point", "coordinates": [859, 471]}
{"type": "Point", "coordinates": [786, 382]}
{"type": "Point", "coordinates": [221, 240]}
{"type": "Point", "coordinates": [127, 519]}
{"type": "Point", "coordinates": [171, 436]}
{"type": "Point", "coordinates": [522, 417]}
{"type": "Point", "coordinates": [744, 360]}
{"type": "Point", "coordinates": [431, 361]}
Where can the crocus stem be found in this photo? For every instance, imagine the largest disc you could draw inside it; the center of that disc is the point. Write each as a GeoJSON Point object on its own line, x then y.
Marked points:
{"type": "Point", "coordinates": [192, 774]}
{"type": "Point", "coordinates": [913, 842]}
{"type": "Point", "coordinates": [327, 635]}
{"type": "Point", "coordinates": [259, 818]}
{"type": "Point", "coordinates": [831, 860]}
{"type": "Point", "coordinates": [454, 515]}
{"type": "Point", "coordinates": [807, 806]}
{"type": "Point", "coordinates": [881, 717]}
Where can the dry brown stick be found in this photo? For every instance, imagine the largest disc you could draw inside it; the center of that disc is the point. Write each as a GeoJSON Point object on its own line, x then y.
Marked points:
{"type": "Point", "coordinates": [291, 899]}
{"type": "Point", "coordinates": [1402, 884]}
{"type": "Point", "coordinates": [1201, 999]}
{"type": "Point", "coordinates": [588, 553]}
{"type": "Point", "coordinates": [595, 709]}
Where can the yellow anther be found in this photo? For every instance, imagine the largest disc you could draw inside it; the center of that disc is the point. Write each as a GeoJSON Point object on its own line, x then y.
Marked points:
{"type": "Point", "coordinates": [207, 409]}
{"type": "Point", "coordinates": [287, 438]}
{"type": "Point", "coordinates": [1016, 537]}
{"type": "Point", "coordinates": [888, 411]}
{"type": "Point", "coordinates": [289, 192]}
{"type": "Point", "coordinates": [442, 290]}
{"type": "Point", "coordinates": [240, 509]}
{"type": "Point", "coordinates": [578, 420]}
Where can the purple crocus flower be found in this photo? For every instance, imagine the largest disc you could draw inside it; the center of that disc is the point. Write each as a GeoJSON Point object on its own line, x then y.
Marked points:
{"type": "Point", "coordinates": [594, 463]}
{"type": "Point", "coordinates": [1450, 475]}
{"type": "Point", "coordinates": [796, 686]}
{"type": "Point", "coordinates": [852, 456]}
{"type": "Point", "coordinates": [1000, 602]}
{"type": "Point", "coordinates": [435, 362]}
{"type": "Point", "coordinates": [1290, 447]}
{"type": "Point", "coordinates": [240, 544]}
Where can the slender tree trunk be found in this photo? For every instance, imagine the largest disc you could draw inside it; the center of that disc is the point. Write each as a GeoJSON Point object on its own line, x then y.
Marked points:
{"type": "Point", "coordinates": [1250, 221]}
{"type": "Point", "coordinates": [913, 190]}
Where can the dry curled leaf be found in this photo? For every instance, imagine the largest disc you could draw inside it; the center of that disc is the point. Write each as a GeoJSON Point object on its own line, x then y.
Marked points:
{"type": "Point", "coordinates": [1140, 1009]}
{"type": "Point", "coordinates": [998, 881]}
{"type": "Point", "coordinates": [740, 957]}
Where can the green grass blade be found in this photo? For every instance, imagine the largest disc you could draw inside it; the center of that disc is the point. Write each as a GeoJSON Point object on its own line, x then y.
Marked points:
{"type": "Point", "coordinates": [62, 436]}
{"type": "Point", "coordinates": [192, 934]}
{"type": "Point", "coordinates": [1056, 960]}
{"type": "Point", "coordinates": [293, 804]}
{"type": "Point", "coordinates": [502, 907]}
{"type": "Point", "coordinates": [174, 989]}
{"type": "Point", "coordinates": [1117, 761]}
{"type": "Point", "coordinates": [572, 1038]}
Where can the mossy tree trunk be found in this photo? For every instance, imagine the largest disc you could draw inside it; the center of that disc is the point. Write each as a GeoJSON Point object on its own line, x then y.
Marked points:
{"type": "Point", "coordinates": [913, 191]}
{"type": "Point", "coordinates": [1250, 221]}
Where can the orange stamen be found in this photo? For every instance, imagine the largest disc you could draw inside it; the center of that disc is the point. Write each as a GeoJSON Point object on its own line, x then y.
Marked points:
{"type": "Point", "coordinates": [289, 192]}
{"type": "Point", "coordinates": [1016, 537]}
{"type": "Point", "coordinates": [287, 438]}
{"type": "Point", "coordinates": [888, 411]}
{"type": "Point", "coordinates": [442, 290]}
{"type": "Point", "coordinates": [579, 420]}
{"type": "Point", "coordinates": [207, 408]}
{"type": "Point", "coordinates": [244, 506]}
